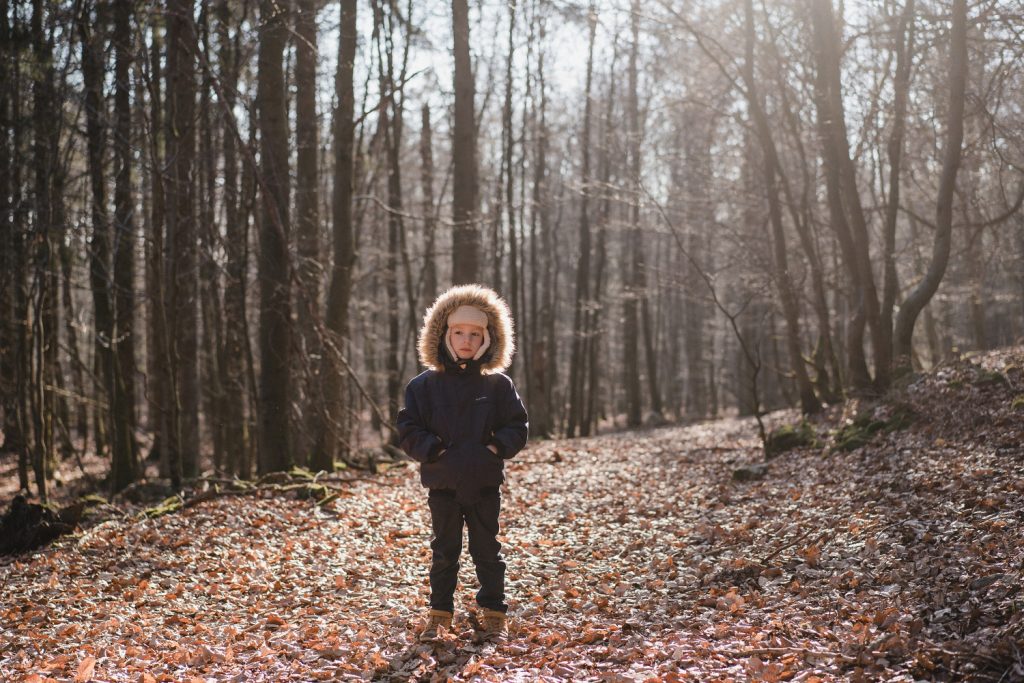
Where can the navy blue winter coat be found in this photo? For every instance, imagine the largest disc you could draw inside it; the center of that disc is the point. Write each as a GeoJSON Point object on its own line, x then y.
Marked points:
{"type": "Point", "coordinates": [453, 413]}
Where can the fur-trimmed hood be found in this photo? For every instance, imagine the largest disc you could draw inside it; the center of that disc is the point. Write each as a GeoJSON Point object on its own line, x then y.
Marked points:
{"type": "Point", "coordinates": [499, 327]}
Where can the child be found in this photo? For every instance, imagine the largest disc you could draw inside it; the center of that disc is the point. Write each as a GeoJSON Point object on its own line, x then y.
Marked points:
{"type": "Point", "coordinates": [462, 419]}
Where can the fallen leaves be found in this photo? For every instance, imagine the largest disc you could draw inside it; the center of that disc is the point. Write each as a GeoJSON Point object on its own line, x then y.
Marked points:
{"type": "Point", "coordinates": [633, 557]}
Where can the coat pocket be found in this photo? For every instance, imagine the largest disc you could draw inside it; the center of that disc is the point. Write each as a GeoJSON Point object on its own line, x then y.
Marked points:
{"type": "Point", "coordinates": [482, 416]}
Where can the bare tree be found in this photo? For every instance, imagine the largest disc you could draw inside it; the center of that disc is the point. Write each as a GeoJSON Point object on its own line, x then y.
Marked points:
{"type": "Point", "coordinates": [920, 295]}
{"type": "Point", "coordinates": [330, 435]}
{"type": "Point", "coordinates": [274, 266]}
{"type": "Point", "coordinates": [465, 235]}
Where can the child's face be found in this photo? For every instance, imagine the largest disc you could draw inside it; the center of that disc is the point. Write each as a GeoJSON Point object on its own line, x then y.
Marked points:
{"type": "Point", "coordinates": [466, 340]}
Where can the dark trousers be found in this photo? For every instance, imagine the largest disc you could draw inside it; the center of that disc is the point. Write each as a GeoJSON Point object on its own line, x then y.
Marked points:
{"type": "Point", "coordinates": [447, 517]}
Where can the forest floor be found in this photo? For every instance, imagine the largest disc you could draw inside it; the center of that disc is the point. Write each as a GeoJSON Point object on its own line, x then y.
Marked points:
{"type": "Point", "coordinates": [632, 557]}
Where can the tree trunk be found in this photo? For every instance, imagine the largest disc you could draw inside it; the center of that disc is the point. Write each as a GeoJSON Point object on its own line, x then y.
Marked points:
{"type": "Point", "coordinates": [509, 145]}
{"type": "Point", "coordinates": [307, 209]}
{"type": "Point", "coordinates": [540, 378]}
{"type": "Point", "coordinates": [331, 433]}
{"type": "Point", "coordinates": [275, 302]}
{"type": "Point", "coordinates": [594, 335]}
{"type": "Point", "coordinates": [952, 154]}
{"type": "Point", "coordinates": [212, 315]}
{"type": "Point", "coordinates": [42, 335]}
{"type": "Point", "coordinates": [390, 131]}
{"type": "Point", "coordinates": [859, 376]}
{"type": "Point", "coordinates": [125, 465]}
{"type": "Point", "coordinates": [99, 246]}
{"type": "Point", "coordinates": [429, 222]}
{"type": "Point", "coordinates": [836, 143]}
{"type": "Point", "coordinates": [577, 359]}
{"type": "Point", "coordinates": [182, 300]}
{"type": "Point", "coordinates": [904, 39]}
{"type": "Point", "coordinates": [12, 271]}
{"type": "Point", "coordinates": [158, 369]}
{"type": "Point", "coordinates": [233, 350]}
{"type": "Point", "coordinates": [465, 234]}
{"type": "Point", "coordinates": [631, 268]}
{"type": "Point", "coordinates": [808, 401]}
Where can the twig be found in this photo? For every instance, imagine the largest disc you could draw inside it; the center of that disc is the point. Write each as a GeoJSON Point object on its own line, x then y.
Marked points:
{"type": "Point", "coordinates": [788, 545]}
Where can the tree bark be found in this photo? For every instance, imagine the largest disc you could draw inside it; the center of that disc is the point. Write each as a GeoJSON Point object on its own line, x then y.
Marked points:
{"type": "Point", "coordinates": [809, 402]}
{"type": "Point", "coordinates": [42, 333]}
{"type": "Point", "coordinates": [125, 465]}
{"type": "Point", "coordinates": [541, 379]}
{"type": "Point", "coordinates": [832, 139]}
{"type": "Point", "coordinates": [465, 234]}
{"type": "Point", "coordinates": [234, 349]}
{"type": "Point", "coordinates": [307, 209]}
{"type": "Point", "coordinates": [99, 245]}
{"type": "Point", "coordinates": [509, 145]}
{"type": "Point", "coordinates": [919, 297]}
{"type": "Point", "coordinates": [904, 40]}
{"type": "Point", "coordinates": [331, 433]}
{"type": "Point", "coordinates": [631, 328]}
{"type": "Point", "coordinates": [181, 285]}
{"type": "Point", "coordinates": [275, 300]}
{"type": "Point", "coordinates": [158, 369]}
{"type": "Point", "coordinates": [429, 222]}
{"type": "Point", "coordinates": [12, 272]}
{"type": "Point", "coordinates": [838, 148]}
{"type": "Point", "coordinates": [577, 360]}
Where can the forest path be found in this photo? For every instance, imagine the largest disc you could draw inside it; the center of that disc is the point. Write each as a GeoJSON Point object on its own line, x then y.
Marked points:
{"type": "Point", "coordinates": [631, 557]}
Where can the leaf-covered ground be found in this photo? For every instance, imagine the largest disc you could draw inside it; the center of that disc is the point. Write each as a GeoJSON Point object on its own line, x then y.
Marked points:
{"type": "Point", "coordinates": [631, 557]}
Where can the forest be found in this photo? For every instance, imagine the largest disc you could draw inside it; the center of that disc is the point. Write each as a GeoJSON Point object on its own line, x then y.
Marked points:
{"type": "Point", "coordinates": [222, 221]}
{"type": "Point", "coordinates": [765, 263]}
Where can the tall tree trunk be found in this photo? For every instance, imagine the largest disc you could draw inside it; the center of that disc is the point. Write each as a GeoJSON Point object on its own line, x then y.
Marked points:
{"type": "Point", "coordinates": [307, 218]}
{"type": "Point", "coordinates": [214, 397]}
{"type": "Point", "coordinates": [331, 432]}
{"type": "Point", "coordinates": [631, 268]}
{"type": "Point", "coordinates": [695, 180]}
{"type": "Point", "coordinates": [509, 145]}
{"type": "Point", "coordinates": [99, 245]}
{"type": "Point", "coordinates": [594, 336]}
{"type": "Point", "coordinates": [827, 47]}
{"type": "Point", "coordinates": [919, 297]}
{"type": "Point", "coordinates": [42, 335]}
{"type": "Point", "coordinates": [904, 40]}
{"type": "Point", "coordinates": [275, 302]}
{"type": "Point", "coordinates": [12, 272]}
{"type": "Point", "coordinates": [577, 360]}
{"type": "Point", "coordinates": [158, 368]}
{"type": "Point", "coordinates": [429, 222]}
{"type": "Point", "coordinates": [808, 401]}
{"type": "Point", "coordinates": [182, 306]}
{"type": "Point", "coordinates": [390, 131]}
{"type": "Point", "coordinates": [830, 134]}
{"type": "Point", "coordinates": [465, 234]}
{"type": "Point", "coordinates": [540, 378]}
{"type": "Point", "coordinates": [124, 466]}
{"type": "Point", "coordinates": [234, 349]}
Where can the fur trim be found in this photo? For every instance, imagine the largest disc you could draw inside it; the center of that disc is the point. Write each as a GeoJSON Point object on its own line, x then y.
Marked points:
{"type": "Point", "coordinates": [499, 324]}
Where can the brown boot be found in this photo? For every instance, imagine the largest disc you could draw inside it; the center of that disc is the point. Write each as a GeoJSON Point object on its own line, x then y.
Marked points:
{"type": "Point", "coordinates": [495, 626]}
{"type": "Point", "coordinates": [437, 620]}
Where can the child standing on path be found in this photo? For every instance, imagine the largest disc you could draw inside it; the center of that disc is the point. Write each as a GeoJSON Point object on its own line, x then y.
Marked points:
{"type": "Point", "coordinates": [462, 419]}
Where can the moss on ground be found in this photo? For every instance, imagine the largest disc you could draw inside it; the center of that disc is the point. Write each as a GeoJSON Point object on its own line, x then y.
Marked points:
{"type": "Point", "coordinates": [864, 426]}
{"type": "Point", "coordinates": [788, 437]}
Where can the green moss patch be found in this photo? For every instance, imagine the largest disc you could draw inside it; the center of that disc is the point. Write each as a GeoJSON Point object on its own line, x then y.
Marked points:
{"type": "Point", "coordinates": [864, 426]}
{"type": "Point", "coordinates": [788, 437]}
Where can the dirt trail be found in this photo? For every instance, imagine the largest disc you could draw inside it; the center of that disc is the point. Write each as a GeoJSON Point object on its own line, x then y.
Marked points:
{"type": "Point", "coordinates": [631, 557]}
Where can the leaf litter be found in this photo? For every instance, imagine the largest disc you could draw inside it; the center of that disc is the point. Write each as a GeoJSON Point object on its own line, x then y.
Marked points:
{"type": "Point", "coordinates": [632, 557]}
